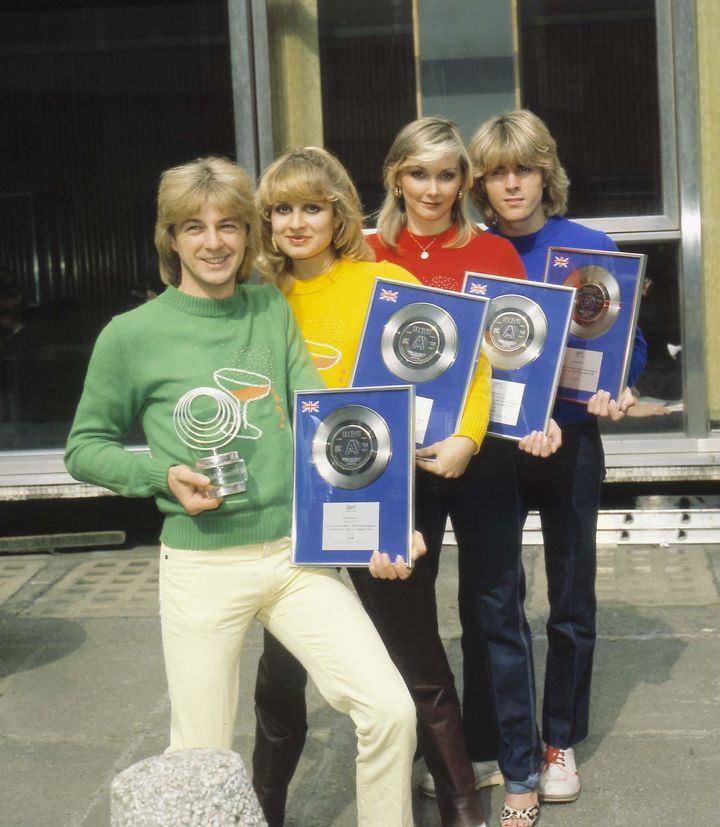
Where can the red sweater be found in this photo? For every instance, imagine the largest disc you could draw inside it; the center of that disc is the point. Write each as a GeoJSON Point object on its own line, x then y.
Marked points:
{"type": "Point", "coordinates": [445, 268]}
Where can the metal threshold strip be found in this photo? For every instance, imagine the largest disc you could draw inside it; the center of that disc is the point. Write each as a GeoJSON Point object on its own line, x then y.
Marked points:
{"type": "Point", "coordinates": [645, 526]}
{"type": "Point", "coordinates": [641, 526]}
{"type": "Point", "coordinates": [57, 542]}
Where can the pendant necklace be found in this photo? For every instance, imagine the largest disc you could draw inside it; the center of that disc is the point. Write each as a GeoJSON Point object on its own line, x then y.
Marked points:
{"type": "Point", "coordinates": [424, 255]}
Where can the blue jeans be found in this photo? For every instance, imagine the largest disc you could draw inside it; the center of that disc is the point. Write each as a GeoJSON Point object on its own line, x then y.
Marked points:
{"type": "Point", "coordinates": [499, 684]}
{"type": "Point", "coordinates": [566, 492]}
{"type": "Point", "coordinates": [499, 690]}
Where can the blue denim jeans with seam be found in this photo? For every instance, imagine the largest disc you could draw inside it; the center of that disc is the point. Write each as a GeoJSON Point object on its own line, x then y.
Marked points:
{"type": "Point", "coordinates": [499, 689]}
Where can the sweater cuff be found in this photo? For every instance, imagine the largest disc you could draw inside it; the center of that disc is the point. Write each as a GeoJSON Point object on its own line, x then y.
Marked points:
{"type": "Point", "coordinates": [473, 427]}
{"type": "Point", "coordinates": [159, 475]}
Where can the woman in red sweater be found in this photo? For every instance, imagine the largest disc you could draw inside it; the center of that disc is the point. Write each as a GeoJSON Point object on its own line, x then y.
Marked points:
{"type": "Point", "coordinates": [424, 226]}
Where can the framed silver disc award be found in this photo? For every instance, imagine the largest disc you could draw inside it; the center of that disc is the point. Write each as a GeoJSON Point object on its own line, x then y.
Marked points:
{"type": "Point", "coordinates": [526, 331]}
{"type": "Point", "coordinates": [353, 475]}
{"type": "Point", "coordinates": [429, 338]}
{"type": "Point", "coordinates": [608, 288]}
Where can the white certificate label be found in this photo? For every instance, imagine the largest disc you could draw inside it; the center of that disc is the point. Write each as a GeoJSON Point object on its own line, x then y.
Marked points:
{"type": "Point", "coordinates": [423, 409]}
{"type": "Point", "coordinates": [507, 398]}
{"type": "Point", "coordinates": [581, 369]}
{"type": "Point", "coordinates": [351, 526]}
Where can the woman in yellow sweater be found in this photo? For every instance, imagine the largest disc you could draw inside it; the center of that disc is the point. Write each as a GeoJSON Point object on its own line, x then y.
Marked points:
{"type": "Point", "coordinates": [314, 249]}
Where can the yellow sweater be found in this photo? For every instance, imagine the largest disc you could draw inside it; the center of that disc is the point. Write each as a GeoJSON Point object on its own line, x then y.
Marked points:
{"type": "Point", "coordinates": [330, 310]}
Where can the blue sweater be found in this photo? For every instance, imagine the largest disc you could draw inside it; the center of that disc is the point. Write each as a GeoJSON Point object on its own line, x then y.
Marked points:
{"type": "Point", "coordinates": [560, 232]}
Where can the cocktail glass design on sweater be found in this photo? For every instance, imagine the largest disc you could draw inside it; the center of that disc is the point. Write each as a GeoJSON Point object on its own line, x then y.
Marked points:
{"type": "Point", "coordinates": [245, 386]}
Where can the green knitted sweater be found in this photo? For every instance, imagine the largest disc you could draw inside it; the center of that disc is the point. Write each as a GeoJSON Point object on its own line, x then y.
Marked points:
{"type": "Point", "coordinates": [247, 352]}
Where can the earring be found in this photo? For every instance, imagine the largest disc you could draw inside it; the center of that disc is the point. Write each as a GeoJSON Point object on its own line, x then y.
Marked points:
{"type": "Point", "coordinates": [398, 191]}
{"type": "Point", "coordinates": [460, 195]}
{"type": "Point", "coordinates": [274, 243]}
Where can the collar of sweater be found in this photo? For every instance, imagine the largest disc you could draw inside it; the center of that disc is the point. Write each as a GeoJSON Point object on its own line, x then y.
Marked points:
{"type": "Point", "coordinates": [405, 236]}
{"type": "Point", "coordinates": [195, 306]}
{"type": "Point", "coordinates": [317, 283]}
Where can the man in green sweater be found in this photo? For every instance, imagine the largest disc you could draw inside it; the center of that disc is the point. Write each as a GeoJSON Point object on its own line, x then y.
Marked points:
{"type": "Point", "coordinates": [210, 365]}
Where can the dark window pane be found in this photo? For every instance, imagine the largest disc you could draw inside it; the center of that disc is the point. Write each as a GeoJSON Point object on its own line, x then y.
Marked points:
{"type": "Point", "coordinates": [660, 385]}
{"type": "Point", "coordinates": [589, 69]}
{"type": "Point", "coordinates": [97, 101]}
{"type": "Point", "coordinates": [367, 69]}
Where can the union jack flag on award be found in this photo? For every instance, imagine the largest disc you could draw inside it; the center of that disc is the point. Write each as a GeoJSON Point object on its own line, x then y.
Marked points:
{"type": "Point", "coordinates": [388, 295]}
{"type": "Point", "coordinates": [561, 261]}
{"type": "Point", "coordinates": [478, 289]}
{"type": "Point", "coordinates": [310, 407]}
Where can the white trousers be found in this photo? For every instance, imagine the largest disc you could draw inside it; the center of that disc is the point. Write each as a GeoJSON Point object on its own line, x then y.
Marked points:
{"type": "Point", "coordinates": [207, 600]}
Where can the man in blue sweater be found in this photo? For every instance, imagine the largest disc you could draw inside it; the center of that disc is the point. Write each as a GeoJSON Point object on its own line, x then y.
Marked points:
{"type": "Point", "coordinates": [521, 191]}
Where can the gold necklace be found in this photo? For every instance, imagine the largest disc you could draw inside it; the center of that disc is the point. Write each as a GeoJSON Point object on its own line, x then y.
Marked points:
{"type": "Point", "coordinates": [424, 255]}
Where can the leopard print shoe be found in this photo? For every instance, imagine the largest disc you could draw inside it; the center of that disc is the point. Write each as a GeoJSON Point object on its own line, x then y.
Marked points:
{"type": "Point", "coordinates": [529, 815]}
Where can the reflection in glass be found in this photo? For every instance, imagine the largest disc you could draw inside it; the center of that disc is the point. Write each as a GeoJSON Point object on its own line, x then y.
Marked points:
{"type": "Point", "coordinates": [590, 71]}
{"type": "Point", "coordinates": [98, 98]}
{"type": "Point", "coordinates": [659, 389]}
{"type": "Point", "coordinates": [367, 66]}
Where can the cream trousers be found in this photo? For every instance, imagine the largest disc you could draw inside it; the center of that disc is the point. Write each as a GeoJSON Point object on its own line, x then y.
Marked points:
{"type": "Point", "coordinates": [207, 600]}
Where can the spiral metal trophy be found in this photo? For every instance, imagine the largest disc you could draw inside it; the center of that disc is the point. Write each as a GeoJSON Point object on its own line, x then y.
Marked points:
{"type": "Point", "coordinates": [208, 419]}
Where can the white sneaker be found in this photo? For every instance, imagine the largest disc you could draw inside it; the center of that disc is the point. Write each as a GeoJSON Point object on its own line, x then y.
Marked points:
{"type": "Point", "coordinates": [487, 774]}
{"type": "Point", "coordinates": [559, 782]}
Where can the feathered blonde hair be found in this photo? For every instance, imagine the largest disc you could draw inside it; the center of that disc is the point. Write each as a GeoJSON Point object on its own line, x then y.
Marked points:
{"type": "Point", "coordinates": [310, 174]}
{"type": "Point", "coordinates": [518, 137]}
{"type": "Point", "coordinates": [420, 141]}
{"type": "Point", "coordinates": [183, 192]}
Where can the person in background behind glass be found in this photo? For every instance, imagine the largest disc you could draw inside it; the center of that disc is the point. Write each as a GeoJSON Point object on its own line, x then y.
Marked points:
{"type": "Point", "coordinates": [521, 191]}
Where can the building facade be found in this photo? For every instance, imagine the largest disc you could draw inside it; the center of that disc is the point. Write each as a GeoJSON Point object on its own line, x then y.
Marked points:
{"type": "Point", "coordinates": [100, 97]}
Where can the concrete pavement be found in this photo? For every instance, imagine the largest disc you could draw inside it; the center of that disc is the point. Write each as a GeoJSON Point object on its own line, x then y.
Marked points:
{"type": "Point", "coordinates": [82, 692]}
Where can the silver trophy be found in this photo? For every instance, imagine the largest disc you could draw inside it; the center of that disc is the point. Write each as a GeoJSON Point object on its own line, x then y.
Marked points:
{"type": "Point", "coordinates": [209, 419]}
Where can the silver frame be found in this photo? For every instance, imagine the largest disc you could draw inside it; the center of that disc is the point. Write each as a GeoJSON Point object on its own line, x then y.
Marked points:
{"type": "Point", "coordinates": [410, 447]}
{"type": "Point", "coordinates": [688, 160]}
{"type": "Point", "coordinates": [559, 364]}
{"type": "Point", "coordinates": [669, 219]}
{"type": "Point", "coordinates": [41, 473]}
{"type": "Point", "coordinates": [429, 292]}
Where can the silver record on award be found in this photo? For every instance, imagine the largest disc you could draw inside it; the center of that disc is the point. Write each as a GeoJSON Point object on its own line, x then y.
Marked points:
{"type": "Point", "coordinates": [351, 447]}
{"type": "Point", "coordinates": [597, 301]}
{"type": "Point", "coordinates": [515, 333]}
{"type": "Point", "coordinates": [419, 342]}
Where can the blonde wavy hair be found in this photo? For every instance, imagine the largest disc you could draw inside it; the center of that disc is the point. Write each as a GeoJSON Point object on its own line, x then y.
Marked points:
{"type": "Point", "coordinates": [306, 175]}
{"type": "Point", "coordinates": [183, 192]}
{"type": "Point", "coordinates": [518, 137]}
{"type": "Point", "coordinates": [418, 143]}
